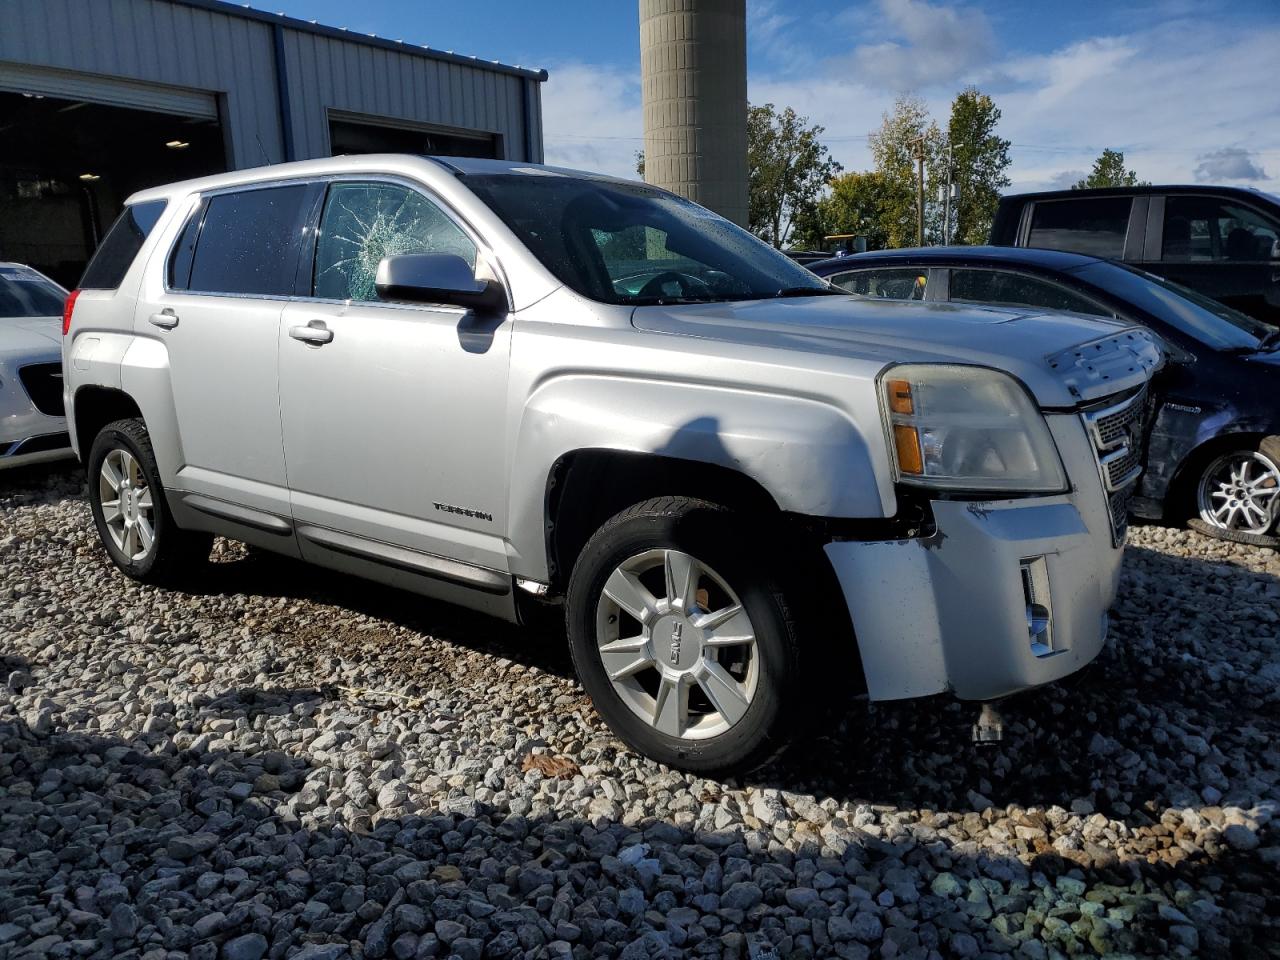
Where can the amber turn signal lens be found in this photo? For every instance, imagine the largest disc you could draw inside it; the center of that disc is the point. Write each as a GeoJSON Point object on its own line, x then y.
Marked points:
{"type": "Point", "coordinates": [900, 397]}
{"type": "Point", "coordinates": [907, 442]}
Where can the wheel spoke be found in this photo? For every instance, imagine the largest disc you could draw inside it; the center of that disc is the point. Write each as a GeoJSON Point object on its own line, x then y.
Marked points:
{"type": "Point", "coordinates": [631, 595]}
{"type": "Point", "coordinates": [682, 573]}
{"type": "Point", "coordinates": [130, 541]}
{"type": "Point", "coordinates": [131, 466]}
{"type": "Point", "coordinates": [671, 707]}
{"type": "Point", "coordinates": [728, 627]}
{"type": "Point", "coordinates": [111, 510]}
{"type": "Point", "coordinates": [144, 499]}
{"type": "Point", "coordinates": [145, 533]}
{"type": "Point", "coordinates": [723, 691]}
{"type": "Point", "coordinates": [625, 658]}
{"type": "Point", "coordinates": [111, 474]}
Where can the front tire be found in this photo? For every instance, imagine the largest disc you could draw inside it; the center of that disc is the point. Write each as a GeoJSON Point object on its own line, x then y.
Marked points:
{"type": "Point", "coordinates": [681, 634]}
{"type": "Point", "coordinates": [1238, 494]}
{"type": "Point", "coordinates": [130, 510]}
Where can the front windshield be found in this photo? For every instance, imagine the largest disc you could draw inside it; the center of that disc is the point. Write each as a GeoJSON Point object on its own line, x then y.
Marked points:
{"type": "Point", "coordinates": [1199, 317]}
{"type": "Point", "coordinates": [25, 293]}
{"type": "Point", "coordinates": [630, 243]}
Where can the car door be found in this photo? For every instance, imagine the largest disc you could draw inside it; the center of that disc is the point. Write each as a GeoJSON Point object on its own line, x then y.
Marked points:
{"type": "Point", "coordinates": [392, 413]}
{"type": "Point", "coordinates": [1223, 249]}
{"type": "Point", "coordinates": [215, 306]}
{"type": "Point", "coordinates": [885, 283]}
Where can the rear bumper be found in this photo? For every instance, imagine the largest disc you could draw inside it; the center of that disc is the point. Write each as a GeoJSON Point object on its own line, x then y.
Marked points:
{"type": "Point", "coordinates": [951, 613]}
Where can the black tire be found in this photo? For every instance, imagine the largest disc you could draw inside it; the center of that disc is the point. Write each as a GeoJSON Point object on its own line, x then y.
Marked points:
{"type": "Point", "coordinates": [738, 552]}
{"type": "Point", "coordinates": [175, 554]}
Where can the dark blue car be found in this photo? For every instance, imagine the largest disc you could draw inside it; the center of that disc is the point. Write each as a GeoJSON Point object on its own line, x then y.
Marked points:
{"type": "Point", "coordinates": [1213, 451]}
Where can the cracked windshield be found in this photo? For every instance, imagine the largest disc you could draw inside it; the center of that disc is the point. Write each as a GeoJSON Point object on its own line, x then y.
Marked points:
{"type": "Point", "coordinates": [365, 222]}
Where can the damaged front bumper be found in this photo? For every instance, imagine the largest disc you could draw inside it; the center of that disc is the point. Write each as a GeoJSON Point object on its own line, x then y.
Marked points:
{"type": "Point", "coordinates": [1005, 595]}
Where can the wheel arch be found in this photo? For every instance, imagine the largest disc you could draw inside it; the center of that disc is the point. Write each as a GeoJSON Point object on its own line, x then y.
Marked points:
{"type": "Point", "coordinates": [1181, 496]}
{"type": "Point", "coordinates": [93, 407]}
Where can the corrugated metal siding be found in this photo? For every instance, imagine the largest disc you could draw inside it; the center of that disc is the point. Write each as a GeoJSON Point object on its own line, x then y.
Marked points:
{"type": "Point", "coordinates": [178, 45]}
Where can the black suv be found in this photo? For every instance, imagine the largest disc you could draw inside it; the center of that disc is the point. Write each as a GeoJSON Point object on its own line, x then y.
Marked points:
{"type": "Point", "coordinates": [1222, 241]}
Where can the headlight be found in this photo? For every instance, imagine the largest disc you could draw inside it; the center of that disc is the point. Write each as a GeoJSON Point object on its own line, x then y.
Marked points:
{"type": "Point", "coordinates": [968, 428]}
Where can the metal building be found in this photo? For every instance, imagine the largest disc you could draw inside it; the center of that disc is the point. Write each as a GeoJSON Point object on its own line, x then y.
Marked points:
{"type": "Point", "coordinates": [99, 98]}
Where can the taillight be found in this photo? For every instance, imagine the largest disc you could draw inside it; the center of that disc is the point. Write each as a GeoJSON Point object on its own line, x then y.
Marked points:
{"type": "Point", "coordinates": [66, 310]}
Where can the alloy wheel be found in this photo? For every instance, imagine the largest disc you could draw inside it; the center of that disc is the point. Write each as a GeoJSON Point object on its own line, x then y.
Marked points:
{"type": "Point", "coordinates": [127, 507]}
{"type": "Point", "coordinates": [677, 644]}
{"type": "Point", "coordinates": [1239, 492]}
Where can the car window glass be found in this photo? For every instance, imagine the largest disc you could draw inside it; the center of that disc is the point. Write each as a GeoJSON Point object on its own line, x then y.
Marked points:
{"type": "Point", "coordinates": [249, 242]}
{"type": "Point", "coordinates": [1093, 225]}
{"type": "Point", "coordinates": [898, 284]}
{"type": "Point", "coordinates": [26, 293]}
{"type": "Point", "coordinates": [184, 251]}
{"type": "Point", "coordinates": [1205, 228]}
{"type": "Point", "coordinates": [1017, 290]}
{"type": "Point", "coordinates": [364, 222]}
{"type": "Point", "coordinates": [121, 244]}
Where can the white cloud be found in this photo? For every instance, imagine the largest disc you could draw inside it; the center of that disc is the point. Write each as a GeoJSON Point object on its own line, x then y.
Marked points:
{"type": "Point", "coordinates": [925, 44]}
{"type": "Point", "coordinates": [1229, 163]}
{"type": "Point", "coordinates": [592, 118]}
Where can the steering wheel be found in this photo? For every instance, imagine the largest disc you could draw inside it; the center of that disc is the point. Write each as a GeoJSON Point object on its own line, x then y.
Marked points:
{"type": "Point", "coordinates": [690, 286]}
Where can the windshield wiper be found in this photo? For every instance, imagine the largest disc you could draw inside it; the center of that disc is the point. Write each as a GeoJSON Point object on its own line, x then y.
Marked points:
{"type": "Point", "coordinates": [808, 292]}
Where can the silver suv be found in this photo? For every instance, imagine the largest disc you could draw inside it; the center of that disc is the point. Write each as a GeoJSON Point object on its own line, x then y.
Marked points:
{"type": "Point", "coordinates": [512, 387]}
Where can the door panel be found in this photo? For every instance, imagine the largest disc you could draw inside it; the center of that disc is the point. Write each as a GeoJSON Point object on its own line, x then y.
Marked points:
{"type": "Point", "coordinates": [393, 429]}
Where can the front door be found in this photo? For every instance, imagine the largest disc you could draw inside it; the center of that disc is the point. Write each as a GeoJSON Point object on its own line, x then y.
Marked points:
{"type": "Point", "coordinates": [392, 413]}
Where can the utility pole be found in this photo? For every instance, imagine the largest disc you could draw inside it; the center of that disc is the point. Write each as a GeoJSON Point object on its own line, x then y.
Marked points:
{"type": "Point", "coordinates": [946, 201]}
{"type": "Point", "coordinates": [919, 144]}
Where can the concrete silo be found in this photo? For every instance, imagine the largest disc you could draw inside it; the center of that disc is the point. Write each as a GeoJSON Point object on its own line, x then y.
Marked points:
{"type": "Point", "coordinates": [693, 61]}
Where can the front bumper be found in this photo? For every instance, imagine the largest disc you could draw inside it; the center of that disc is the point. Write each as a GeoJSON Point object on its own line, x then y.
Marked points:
{"type": "Point", "coordinates": [951, 612]}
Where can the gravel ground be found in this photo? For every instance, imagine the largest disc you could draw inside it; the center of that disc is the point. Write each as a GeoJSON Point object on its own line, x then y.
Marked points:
{"type": "Point", "coordinates": [290, 764]}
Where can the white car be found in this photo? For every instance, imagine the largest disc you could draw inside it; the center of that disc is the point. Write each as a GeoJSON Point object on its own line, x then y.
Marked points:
{"type": "Point", "coordinates": [32, 426]}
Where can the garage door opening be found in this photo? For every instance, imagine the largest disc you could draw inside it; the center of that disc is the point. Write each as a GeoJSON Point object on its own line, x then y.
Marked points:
{"type": "Point", "coordinates": [348, 135]}
{"type": "Point", "coordinates": [67, 166]}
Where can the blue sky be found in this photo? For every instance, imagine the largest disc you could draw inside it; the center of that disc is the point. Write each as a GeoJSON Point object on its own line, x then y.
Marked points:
{"type": "Point", "coordinates": [1189, 89]}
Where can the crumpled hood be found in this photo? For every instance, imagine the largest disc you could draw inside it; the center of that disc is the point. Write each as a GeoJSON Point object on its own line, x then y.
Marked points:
{"type": "Point", "coordinates": [31, 338]}
{"type": "Point", "coordinates": [1064, 359]}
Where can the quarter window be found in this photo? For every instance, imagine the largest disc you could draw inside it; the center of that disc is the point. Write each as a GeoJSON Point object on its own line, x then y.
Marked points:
{"type": "Point", "coordinates": [249, 242]}
{"type": "Point", "coordinates": [1016, 290]}
{"type": "Point", "coordinates": [909, 284]}
{"type": "Point", "coordinates": [1203, 228]}
{"type": "Point", "coordinates": [364, 222]}
{"type": "Point", "coordinates": [121, 244]}
{"type": "Point", "coordinates": [1093, 225]}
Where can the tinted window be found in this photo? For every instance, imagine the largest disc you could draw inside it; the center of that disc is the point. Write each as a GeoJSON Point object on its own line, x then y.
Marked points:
{"type": "Point", "coordinates": [26, 293]}
{"type": "Point", "coordinates": [1015, 290]}
{"type": "Point", "coordinates": [1093, 225]}
{"type": "Point", "coordinates": [184, 251]}
{"type": "Point", "coordinates": [364, 222]}
{"type": "Point", "coordinates": [1202, 228]}
{"type": "Point", "coordinates": [623, 242]}
{"type": "Point", "coordinates": [908, 284]}
{"type": "Point", "coordinates": [1196, 316]}
{"type": "Point", "coordinates": [249, 242]}
{"type": "Point", "coordinates": [121, 244]}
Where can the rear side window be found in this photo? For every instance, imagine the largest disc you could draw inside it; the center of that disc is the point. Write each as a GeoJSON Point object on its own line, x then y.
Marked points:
{"type": "Point", "coordinates": [1092, 225]}
{"type": "Point", "coordinates": [249, 242]}
{"type": "Point", "coordinates": [899, 284]}
{"type": "Point", "coordinates": [1015, 290]}
{"type": "Point", "coordinates": [121, 244]}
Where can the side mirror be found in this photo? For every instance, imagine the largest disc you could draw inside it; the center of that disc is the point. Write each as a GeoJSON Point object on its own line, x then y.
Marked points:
{"type": "Point", "coordinates": [438, 278]}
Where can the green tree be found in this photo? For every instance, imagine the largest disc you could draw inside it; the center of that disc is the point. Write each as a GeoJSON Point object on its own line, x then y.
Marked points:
{"type": "Point", "coordinates": [1108, 171]}
{"type": "Point", "coordinates": [788, 170]}
{"type": "Point", "coordinates": [893, 149]}
{"type": "Point", "coordinates": [979, 159]}
{"type": "Point", "coordinates": [855, 204]}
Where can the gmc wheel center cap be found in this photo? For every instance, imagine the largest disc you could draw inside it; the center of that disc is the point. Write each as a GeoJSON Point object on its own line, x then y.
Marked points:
{"type": "Point", "coordinates": [677, 643]}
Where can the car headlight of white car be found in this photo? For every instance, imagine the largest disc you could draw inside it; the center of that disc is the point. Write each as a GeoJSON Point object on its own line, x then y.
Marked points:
{"type": "Point", "coordinates": [967, 428]}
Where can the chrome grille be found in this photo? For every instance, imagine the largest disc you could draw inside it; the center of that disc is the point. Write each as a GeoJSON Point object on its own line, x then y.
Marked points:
{"type": "Point", "coordinates": [1115, 428]}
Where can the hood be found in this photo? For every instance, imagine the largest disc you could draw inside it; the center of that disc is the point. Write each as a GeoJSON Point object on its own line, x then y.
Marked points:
{"type": "Point", "coordinates": [34, 338]}
{"type": "Point", "coordinates": [1063, 359]}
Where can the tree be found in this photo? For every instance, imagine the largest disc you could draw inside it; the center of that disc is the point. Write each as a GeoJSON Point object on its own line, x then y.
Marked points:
{"type": "Point", "coordinates": [893, 149]}
{"type": "Point", "coordinates": [788, 169]}
{"type": "Point", "coordinates": [855, 204]}
{"type": "Point", "coordinates": [640, 163]}
{"type": "Point", "coordinates": [1108, 171]}
{"type": "Point", "coordinates": [979, 160]}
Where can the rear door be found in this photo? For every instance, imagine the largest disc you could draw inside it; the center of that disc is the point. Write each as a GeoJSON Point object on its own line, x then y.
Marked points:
{"type": "Point", "coordinates": [1222, 248]}
{"type": "Point", "coordinates": [393, 413]}
{"type": "Point", "coordinates": [1112, 227]}
{"type": "Point", "coordinates": [215, 306]}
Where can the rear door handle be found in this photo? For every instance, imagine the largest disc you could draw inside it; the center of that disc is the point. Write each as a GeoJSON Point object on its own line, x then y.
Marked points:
{"type": "Point", "coordinates": [166, 318]}
{"type": "Point", "coordinates": [315, 333]}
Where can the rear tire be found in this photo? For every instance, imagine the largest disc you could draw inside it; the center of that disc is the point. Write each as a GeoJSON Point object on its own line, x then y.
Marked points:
{"type": "Point", "coordinates": [1237, 493]}
{"type": "Point", "coordinates": [131, 512]}
{"type": "Point", "coordinates": [681, 633]}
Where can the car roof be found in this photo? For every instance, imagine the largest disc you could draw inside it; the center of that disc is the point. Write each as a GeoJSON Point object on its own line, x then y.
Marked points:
{"type": "Point", "coordinates": [924, 256]}
{"type": "Point", "coordinates": [1146, 189]}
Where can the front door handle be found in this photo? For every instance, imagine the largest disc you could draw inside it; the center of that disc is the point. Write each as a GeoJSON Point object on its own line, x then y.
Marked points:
{"type": "Point", "coordinates": [166, 318]}
{"type": "Point", "coordinates": [315, 333]}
